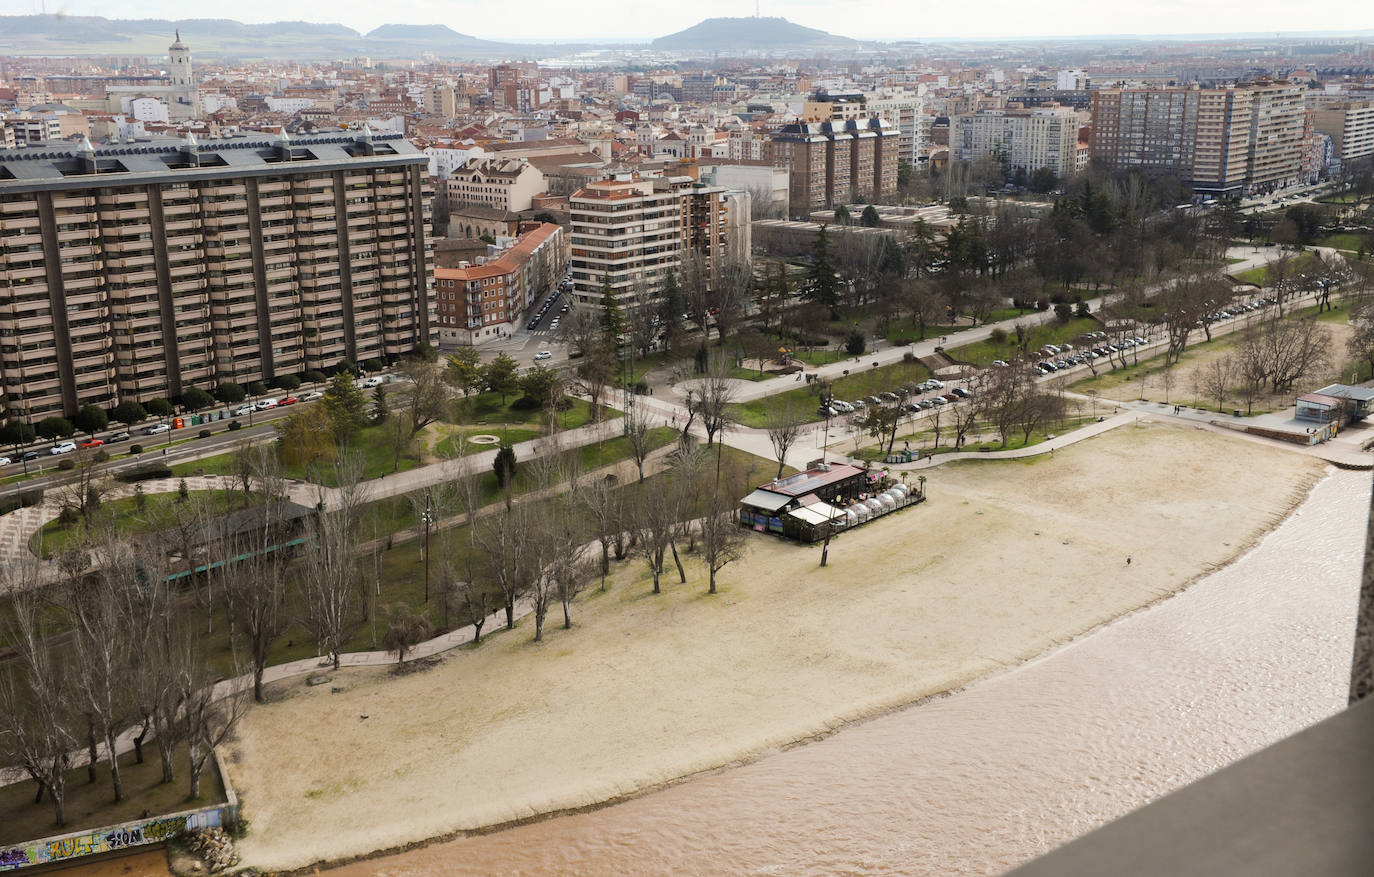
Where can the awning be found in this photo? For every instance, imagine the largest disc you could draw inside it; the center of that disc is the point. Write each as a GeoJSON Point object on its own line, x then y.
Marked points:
{"type": "Point", "coordinates": [766, 500]}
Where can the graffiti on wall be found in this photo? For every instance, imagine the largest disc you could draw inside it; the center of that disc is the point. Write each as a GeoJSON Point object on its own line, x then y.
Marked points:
{"type": "Point", "coordinates": [105, 840]}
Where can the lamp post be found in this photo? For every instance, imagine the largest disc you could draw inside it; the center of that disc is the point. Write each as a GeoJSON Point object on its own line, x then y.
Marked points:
{"type": "Point", "coordinates": [429, 517]}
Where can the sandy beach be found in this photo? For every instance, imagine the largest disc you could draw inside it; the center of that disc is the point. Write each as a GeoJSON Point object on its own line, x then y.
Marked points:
{"type": "Point", "coordinates": [1004, 562]}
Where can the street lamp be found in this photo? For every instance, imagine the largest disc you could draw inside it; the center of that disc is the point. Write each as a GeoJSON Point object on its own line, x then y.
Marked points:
{"type": "Point", "coordinates": [429, 519]}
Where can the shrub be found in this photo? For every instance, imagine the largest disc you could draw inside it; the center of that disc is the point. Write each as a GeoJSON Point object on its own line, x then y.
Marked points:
{"type": "Point", "coordinates": [196, 399]}
{"type": "Point", "coordinates": [229, 393]}
{"type": "Point", "coordinates": [135, 449]}
{"type": "Point", "coordinates": [204, 433]}
{"type": "Point", "coordinates": [640, 388]}
{"type": "Point", "coordinates": [1081, 309]}
{"type": "Point", "coordinates": [257, 388]}
{"type": "Point", "coordinates": [102, 456]}
{"type": "Point", "coordinates": [66, 464]}
{"type": "Point", "coordinates": [234, 426]}
{"type": "Point", "coordinates": [68, 516]}
{"type": "Point", "coordinates": [525, 403]}
{"type": "Point", "coordinates": [20, 500]}
{"type": "Point", "coordinates": [998, 336]}
{"type": "Point", "coordinates": [315, 376]}
{"type": "Point", "coordinates": [856, 343]}
{"type": "Point", "coordinates": [145, 473]}
{"type": "Point", "coordinates": [1063, 311]}
{"type": "Point", "coordinates": [287, 382]}
{"type": "Point", "coordinates": [908, 357]}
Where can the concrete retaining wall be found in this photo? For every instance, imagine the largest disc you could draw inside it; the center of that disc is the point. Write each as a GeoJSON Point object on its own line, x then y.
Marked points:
{"type": "Point", "coordinates": [112, 838]}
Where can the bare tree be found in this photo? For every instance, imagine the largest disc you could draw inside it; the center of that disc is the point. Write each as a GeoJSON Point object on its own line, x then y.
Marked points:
{"type": "Point", "coordinates": [602, 501]}
{"type": "Point", "coordinates": [1216, 380]}
{"type": "Point", "coordinates": [784, 429]}
{"type": "Point", "coordinates": [329, 572]}
{"type": "Point", "coordinates": [36, 715]}
{"type": "Point", "coordinates": [252, 565]}
{"type": "Point", "coordinates": [1287, 349]}
{"type": "Point", "coordinates": [636, 423]}
{"type": "Point", "coordinates": [712, 399]}
{"type": "Point", "coordinates": [102, 645]}
{"type": "Point", "coordinates": [722, 538]}
{"type": "Point", "coordinates": [655, 517]}
{"type": "Point", "coordinates": [207, 720]}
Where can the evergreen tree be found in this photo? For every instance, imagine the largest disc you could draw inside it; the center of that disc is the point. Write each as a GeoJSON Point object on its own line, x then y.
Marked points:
{"type": "Point", "coordinates": [821, 286]}
{"type": "Point", "coordinates": [672, 304]}
{"type": "Point", "coordinates": [869, 218]}
{"type": "Point", "coordinates": [612, 319]}
{"type": "Point", "coordinates": [344, 401]}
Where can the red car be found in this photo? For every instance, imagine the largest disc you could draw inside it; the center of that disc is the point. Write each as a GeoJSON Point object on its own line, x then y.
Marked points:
{"type": "Point", "coordinates": [93, 443]}
{"type": "Point", "coordinates": [289, 400]}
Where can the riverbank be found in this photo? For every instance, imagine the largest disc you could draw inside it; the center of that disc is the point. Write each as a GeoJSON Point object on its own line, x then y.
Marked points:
{"type": "Point", "coordinates": [1006, 561]}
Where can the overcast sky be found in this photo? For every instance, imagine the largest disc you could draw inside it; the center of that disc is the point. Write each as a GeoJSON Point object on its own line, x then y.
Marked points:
{"type": "Point", "coordinates": [864, 19]}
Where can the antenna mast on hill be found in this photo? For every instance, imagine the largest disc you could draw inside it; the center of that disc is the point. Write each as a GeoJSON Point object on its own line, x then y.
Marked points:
{"type": "Point", "coordinates": [756, 8]}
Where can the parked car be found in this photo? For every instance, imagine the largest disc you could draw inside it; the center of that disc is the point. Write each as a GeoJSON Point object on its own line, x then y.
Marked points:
{"type": "Point", "coordinates": [289, 400]}
{"type": "Point", "coordinates": [999, 363]}
{"type": "Point", "coordinates": [28, 456]}
{"type": "Point", "coordinates": [264, 404]}
{"type": "Point", "coordinates": [118, 437]}
{"type": "Point", "coordinates": [926, 404]}
{"type": "Point", "coordinates": [157, 429]}
{"type": "Point", "coordinates": [888, 397]}
{"type": "Point", "coordinates": [543, 354]}
{"type": "Point", "coordinates": [5, 461]}
{"type": "Point", "coordinates": [93, 443]}
{"type": "Point", "coordinates": [859, 403]}
{"type": "Point", "coordinates": [244, 410]}
{"type": "Point", "coordinates": [374, 381]}
{"type": "Point", "coordinates": [312, 396]}
{"type": "Point", "coordinates": [950, 397]}
{"type": "Point", "coordinates": [962, 393]}
{"type": "Point", "coordinates": [62, 448]}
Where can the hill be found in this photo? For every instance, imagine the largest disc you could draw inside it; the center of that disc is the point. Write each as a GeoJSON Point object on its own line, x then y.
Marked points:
{"type": "Point", "coordinates": [212, 37]}
{"type": "Point", "coordinates": [768, 35]}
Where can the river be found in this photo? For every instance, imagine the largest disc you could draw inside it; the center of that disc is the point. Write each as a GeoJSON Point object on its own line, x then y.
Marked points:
{"type": "Point", "coordinates": [992, 776]}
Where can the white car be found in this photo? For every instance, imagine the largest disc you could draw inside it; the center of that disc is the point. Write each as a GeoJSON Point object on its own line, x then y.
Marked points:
{"type": "Point", "coordinates": [312, 396]}
{"type": "Point", "coordinates": [264, 404]}
{"type": "Point", "coordinates": [374, 381]}
{"type": "Point", "coordinates": [5, 461]}
{"type": "Point", "coordinates": [62, 448]}
{"type": "Point", "coordinates": [244, 410]}
{"type": "Point", "coordinates": [543, 354]}
{"type": "Point", "coordinates": [159, 429]}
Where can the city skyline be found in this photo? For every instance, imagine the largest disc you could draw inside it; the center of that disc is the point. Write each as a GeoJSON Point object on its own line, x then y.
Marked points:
{"type": "Point", "coordinates": [601, 20]}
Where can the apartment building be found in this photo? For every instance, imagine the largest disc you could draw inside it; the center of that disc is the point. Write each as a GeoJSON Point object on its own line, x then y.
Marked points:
{"type": "Point", "coordinates": [500, 183]}
{"type": "Point", "coordinates": [139, 270]}
{"type": "Point", "coordinates": [1027, 139]}
{"type": "Point", "coordinates": [1277, 136]}
{"type": "Point", "coordinates": [1222, 141]}
{"type": "Point", "coordinates": [630, 231]}
{"type": "Point", "coordinates": [484, 300]}
{"type": "Point", "coordinates": [1350, 125]}
{"type": "Point", "coordinates": [831, 163]}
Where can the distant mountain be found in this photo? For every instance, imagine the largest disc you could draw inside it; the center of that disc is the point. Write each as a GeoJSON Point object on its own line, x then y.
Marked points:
{"type": "Point", "coordinates": [438, 38]}
{"type": "Point", "coordinates": [210, 37]}
{"type": "Point", "coordinates": [730, 35]}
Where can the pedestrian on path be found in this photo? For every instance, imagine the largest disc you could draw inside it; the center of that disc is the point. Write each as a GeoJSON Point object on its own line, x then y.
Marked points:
{"type": "Point", "coordinates": [1128, 560]}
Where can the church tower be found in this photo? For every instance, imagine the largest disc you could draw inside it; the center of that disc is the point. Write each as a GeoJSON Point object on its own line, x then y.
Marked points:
{"type": "Point", "coordinates": [183, 101]}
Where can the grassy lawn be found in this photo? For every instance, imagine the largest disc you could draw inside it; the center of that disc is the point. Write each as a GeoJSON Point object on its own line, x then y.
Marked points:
{"type": "Point", "coordinates": [1350, 241]}
{"type": "Point", "coordinates": [158, 509]}
{"type": "Point", "coordinates": [487, 409]}
{"type": "Point", "coordinates": [819, 356]}
{"type": "Point", "coordinates": [92, 806]}
{"type": "Point", "coordinates": [1230, 261]}
{"type": "Point", "coordinates": [1054, 332]}
{"type": "Point", "coordinates": [906, 331]}
{"type": "Point", "coordinates": [1260, 276]}
{"type": "Point", "coordinates": [453, 446]}
{"type": "Point", "coordinates": [803, 400]}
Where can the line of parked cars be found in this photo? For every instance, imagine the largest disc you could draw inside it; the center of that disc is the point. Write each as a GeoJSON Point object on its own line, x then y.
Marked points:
{"type": "Point", "coordinates": [859, 407]}
{"type": "Point", "coordinates": [544, 309]}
